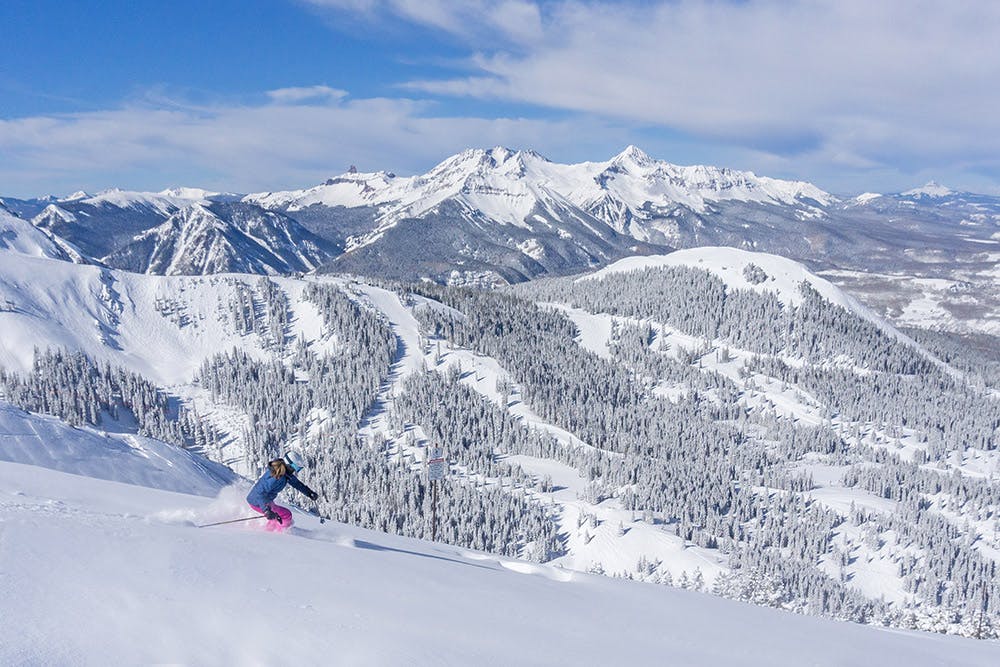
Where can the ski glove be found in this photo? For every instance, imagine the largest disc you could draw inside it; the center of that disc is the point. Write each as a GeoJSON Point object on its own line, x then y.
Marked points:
{"type": "Point", "coordinates": [272, 515]}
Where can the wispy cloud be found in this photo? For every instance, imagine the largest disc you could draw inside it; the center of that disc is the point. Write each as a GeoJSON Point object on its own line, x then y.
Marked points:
{"type": "Point", "coordinates": [271, 145]}
{"type": "Point", "coordinates": [305, 94]}
{"type": "Point", "coordinates": [501, 21]}
{"type": "Point", "coordinates": [896, 84]}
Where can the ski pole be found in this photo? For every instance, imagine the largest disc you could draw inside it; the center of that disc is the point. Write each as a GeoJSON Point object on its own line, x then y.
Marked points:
{"type": "Point", "coordinates": [249, 518]}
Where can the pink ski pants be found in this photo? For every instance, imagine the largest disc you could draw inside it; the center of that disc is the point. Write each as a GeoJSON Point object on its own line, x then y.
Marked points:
{"type": "Point", "coordinates": [272, 524]}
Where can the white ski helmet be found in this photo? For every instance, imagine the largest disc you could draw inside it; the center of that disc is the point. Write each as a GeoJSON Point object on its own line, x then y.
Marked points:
{"type": "Point", "coordinates": [294, 461]}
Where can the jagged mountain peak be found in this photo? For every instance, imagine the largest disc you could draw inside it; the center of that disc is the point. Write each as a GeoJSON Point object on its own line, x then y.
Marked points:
{"type": "Point", "coordinates": [481, 161]}
{"type": "Point", "coordinates": [641, 180]}
{"type": "Point", "coordinates": [51, 215]}
{"type": "Point", "coordinates": [223, 237]}
{"type": "Point", "coordinates": [634, 155]}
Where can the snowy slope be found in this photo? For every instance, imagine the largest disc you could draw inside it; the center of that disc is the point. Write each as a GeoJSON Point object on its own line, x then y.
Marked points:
{"type": "Point", "coordinates": [47, 442]}
{"type": "Point", "coordinates": [102, 573]}
{"type": "Point", "coordinates": [587, 545]}
{"type": "Point", "coordinates": [871, 571]}
{"type": "Point", "coordinates": [20, 236]}
{"type": "Point", "coordinates": [164, 327]}
{"type": "Point", "coordinates": [161, 327]}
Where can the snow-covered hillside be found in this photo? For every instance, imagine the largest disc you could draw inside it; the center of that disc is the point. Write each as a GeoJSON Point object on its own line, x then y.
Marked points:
{"type": "Point", "coordinates": [47, 442]}
{"type": "Point", "coordinates": [773, 274]}
{"type": "Point", "coordinates": [300, 341]}
{"type": "Point", "coordinates": [99, 572]}
{"type": "Point", "coordinates": [745, 270]}
{"type": "Point", "coordinates": [182, 231]}
{"type": "Point", "coordinates": [165, 328]}
{"type": "Point", "coordinates": [21, 237]}
{"type": "Point", "coordinates": [166, 201]}
{"type": "Point", "coordinates": [161, 327]}
{"type": "Point", "coordinates": [931, 189]}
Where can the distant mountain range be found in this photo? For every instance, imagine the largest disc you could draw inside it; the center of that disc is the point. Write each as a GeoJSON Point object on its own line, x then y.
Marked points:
{"type": "Point", "coordinates": [493, 216]}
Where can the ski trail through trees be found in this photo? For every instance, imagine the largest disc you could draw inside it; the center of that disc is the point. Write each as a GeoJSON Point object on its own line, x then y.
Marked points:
{"type": "Point", "coordinates": [409, 356]}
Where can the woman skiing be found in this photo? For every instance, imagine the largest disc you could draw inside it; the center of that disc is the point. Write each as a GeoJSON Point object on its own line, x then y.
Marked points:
{"type": "Point", "coordinates": [280, 472]}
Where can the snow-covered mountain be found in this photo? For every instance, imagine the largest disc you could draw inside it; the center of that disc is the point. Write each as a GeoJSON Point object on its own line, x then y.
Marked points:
{"type": "Point", "coordinates": [499, 215]}
{"type": "Point", "coordinates": [507, 186]}
{"type": "Point", "coordinates": [219, 238]}
{"type": "Point", "coordinates": [182, 231]}
{"type": "Point", "coordinates": [632, 193]}
{"type": "Point", "coordinates": [930, 197]}
{"type": "Point", "coordinates": [930, 189]}
{"type": "Point", "coordinates": [925, 257]}
{"type": "Point", "coordinates": [100, 224]}
{"type": "Point", "coordinates": [503, 215]}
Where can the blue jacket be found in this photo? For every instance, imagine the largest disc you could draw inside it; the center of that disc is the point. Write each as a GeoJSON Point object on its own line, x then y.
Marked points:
{"type": "Point", "coordinates": [267, 489]}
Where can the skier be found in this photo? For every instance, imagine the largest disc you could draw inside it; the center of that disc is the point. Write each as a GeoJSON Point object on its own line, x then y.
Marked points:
{"type": "Point", "coordinates": [279, 473]}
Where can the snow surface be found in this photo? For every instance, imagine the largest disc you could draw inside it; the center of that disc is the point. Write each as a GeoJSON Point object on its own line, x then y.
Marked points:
{"type": "Point", "coordinates": [50, 443]}
{"type": "Point", "coordinates": [118, 317]}
{"type": "Point", "coordinates": [21, 237]}
{"type": "Point", "coordinates": [98, 572]}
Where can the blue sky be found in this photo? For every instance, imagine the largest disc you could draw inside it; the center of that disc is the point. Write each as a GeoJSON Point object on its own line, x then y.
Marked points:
{"type": "Point", "coordinates": [272, 94]}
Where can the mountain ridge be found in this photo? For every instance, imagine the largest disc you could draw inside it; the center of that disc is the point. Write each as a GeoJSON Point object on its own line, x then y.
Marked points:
{"type": "Point", "coordinates": [490, 216]}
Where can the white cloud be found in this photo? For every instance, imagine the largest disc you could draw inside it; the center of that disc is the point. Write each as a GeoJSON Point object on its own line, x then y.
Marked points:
{"type": "Point", "coordinates": [895, 84]}
{"type": "Point", "coordinates": [305, 93]}
{"type": "Point", "coordinates": [260, 147]}
{"type": "Point", "coordinates": [851, 95]}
